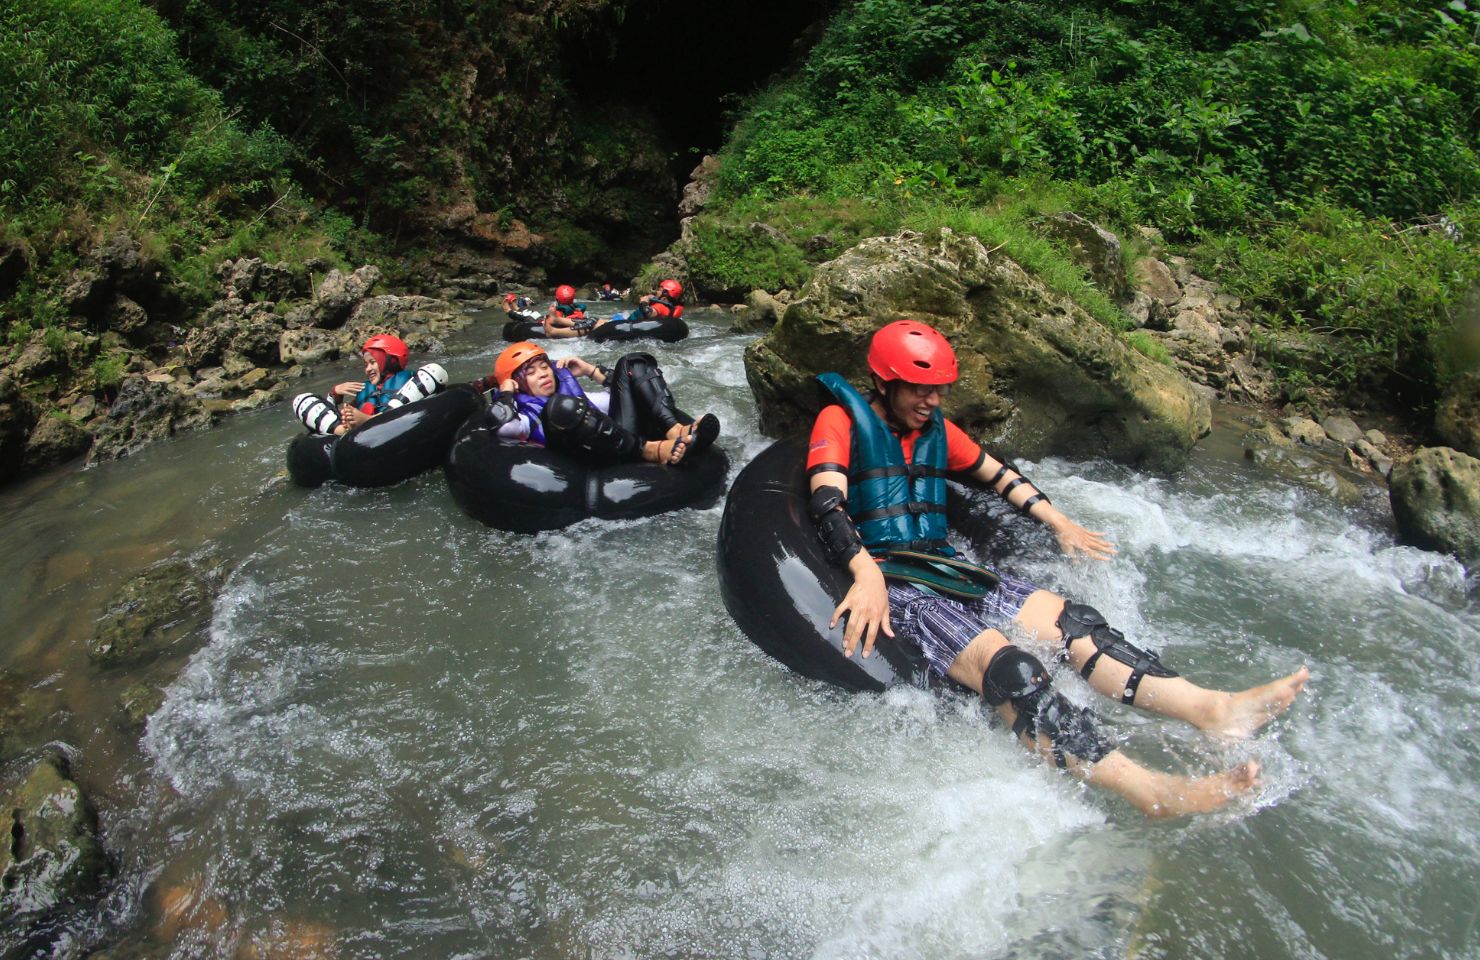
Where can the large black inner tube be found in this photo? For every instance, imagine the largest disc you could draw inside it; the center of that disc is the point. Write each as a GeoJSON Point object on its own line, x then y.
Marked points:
{"type": "Point", "coordinates": [525, 488]}
{"type": "Point", "coordinates": [389, 448]}
{"type": "Point", "coordinates": [780, 587]}
{"type": "Point", "coordinates": [666, 329]}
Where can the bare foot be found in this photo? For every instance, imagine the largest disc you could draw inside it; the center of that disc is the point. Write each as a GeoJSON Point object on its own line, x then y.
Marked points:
{"type": "Point", "coordinates": [1175, 796]}
{"type": "Point", "coordinates": [1165, 795]}
{"type": "Point", "coordinates": [1240, 714]}
{"type": "Point", "coordinates": [667, 452]}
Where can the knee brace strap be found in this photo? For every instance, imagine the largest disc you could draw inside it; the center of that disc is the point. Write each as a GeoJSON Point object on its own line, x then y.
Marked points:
{"type": "Point", "coordinates": [1082, 620]}
{"type": "Point", "coordinates": [1016, 676]}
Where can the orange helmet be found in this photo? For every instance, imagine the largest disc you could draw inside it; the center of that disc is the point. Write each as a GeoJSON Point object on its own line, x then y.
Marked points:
{"type": "Point", "coordinates": [514, 357]}
{"type": "Point", "coordinates": [385, 348]}
{"type": "Point", "coordinates": [672, 288]}
{"type": "Point", "coordinates": [911, 351]}
{"type": "Point", "coordinates": [565, 293]}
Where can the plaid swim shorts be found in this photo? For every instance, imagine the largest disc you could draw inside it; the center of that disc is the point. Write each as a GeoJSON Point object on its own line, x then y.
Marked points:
{"type": "Point", "coordinates": [944, 626]}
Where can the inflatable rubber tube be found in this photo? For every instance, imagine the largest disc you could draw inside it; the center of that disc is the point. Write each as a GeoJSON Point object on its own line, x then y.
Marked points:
{"type": "Point", "coordinates": [388, 448]}
{"type": "Point", "coordinates": [524, 325]}
{"type": "Point", "coordinates": [666, 329]}
{"type": "Point", "coordinates": [780, 587]}
{"type": "Point", "coordinates": [526, 488]}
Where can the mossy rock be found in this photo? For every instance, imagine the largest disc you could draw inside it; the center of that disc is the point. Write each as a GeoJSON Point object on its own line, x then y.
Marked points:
{"type": "Point", "coordinates": [49, 851]}
{"type": "Point", "coordinates": [155, 610]}
{"type": "Point", "coordinates": [1038, 375]}
{"type": "Point", "coordinates": [1436, 501]}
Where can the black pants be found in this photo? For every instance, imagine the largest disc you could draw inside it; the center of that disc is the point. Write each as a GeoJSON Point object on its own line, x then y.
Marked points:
{"type": "Point", "coordinates": [642, 409]}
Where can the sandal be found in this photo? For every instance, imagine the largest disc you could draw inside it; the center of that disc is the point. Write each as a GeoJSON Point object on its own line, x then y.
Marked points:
{"type": "Point", "coordinates": [702, 433]}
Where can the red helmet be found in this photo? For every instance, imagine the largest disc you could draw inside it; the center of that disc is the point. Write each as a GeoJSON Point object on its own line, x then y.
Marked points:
{"type": "Point", "coordinates": [911, 351]}
{"type": "Point", "coordinates": [565, 293]}
{"type": "Point", "coordinates": [385, 348]}
{"type": "Point", "coordinates": [510, 297]}
{"type": "Point", "coordinates": [514, 357]}
{"type": "Point", "coordinates": [672, 288]}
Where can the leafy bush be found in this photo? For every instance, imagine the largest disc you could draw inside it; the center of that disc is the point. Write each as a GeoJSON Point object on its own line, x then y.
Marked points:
{"type": "Point", "coordinates": [1390, 296]}
{"type": "Point", "coordinates": [728, 260]}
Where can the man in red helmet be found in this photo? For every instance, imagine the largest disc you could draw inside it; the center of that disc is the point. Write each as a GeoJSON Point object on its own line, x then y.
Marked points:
{"type": "Point", "coordinates": [877, 466]}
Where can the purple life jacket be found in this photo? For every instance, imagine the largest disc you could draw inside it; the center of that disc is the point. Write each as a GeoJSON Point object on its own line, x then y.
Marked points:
{"type": "Point", "coordinates": [532, 406]}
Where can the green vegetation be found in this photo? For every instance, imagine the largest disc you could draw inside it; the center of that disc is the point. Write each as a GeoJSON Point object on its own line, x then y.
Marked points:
{"type": "Point", "coordinates": [106, 130]}
{"type": "Point", "coordinates": [1319, 158]}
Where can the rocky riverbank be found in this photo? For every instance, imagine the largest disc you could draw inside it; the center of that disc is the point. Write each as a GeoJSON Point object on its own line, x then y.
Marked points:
{"type": "Point", "coordinates": [143, 373]}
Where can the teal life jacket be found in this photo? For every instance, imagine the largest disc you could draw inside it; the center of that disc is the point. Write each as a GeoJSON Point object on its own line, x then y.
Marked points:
{"type": "Point", "coordinates": [895, 504]}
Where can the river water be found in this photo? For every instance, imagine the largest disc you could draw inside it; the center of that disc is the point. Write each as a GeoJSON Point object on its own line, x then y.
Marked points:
{"type": "Point", "coordinates": [405, 735]}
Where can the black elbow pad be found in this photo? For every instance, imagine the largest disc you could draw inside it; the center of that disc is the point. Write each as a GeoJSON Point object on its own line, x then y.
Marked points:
{"type": "Point", "coordinates": [829, 510]}
{"type": "Point", "coordinates": [501, 411]}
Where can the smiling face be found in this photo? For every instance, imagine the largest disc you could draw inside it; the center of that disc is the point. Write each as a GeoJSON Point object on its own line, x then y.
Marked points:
{"type": "Point", "coordinates": [537, 377]}
{"type": "Point", "coordinates": [911, 404]}
{"type": "Point", "coordinates": [372, 367]}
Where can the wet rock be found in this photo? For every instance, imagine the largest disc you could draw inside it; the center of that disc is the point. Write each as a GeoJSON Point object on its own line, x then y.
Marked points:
{"type": "Point", "coordinates": [146, 411]}
{"type": "Point", "coordinates": [49, 851]}
{"type": "Point", "coordinates": [138, 703]}
{"type": "Point", "coordinates": [1436, 501]}
{"type": "Point", "coordinates": [1038, 375]}
{"type": "Point", "coordinates": [1305, 431]}
{"type": "Point", "coordinates": [1095, 249]}
{"type": "Point", "coordinates": [1343, 430]}
{"type": "Point", "coordinates": [1153, 278]}
{"type": "Point", "coordinates": [1300, 465]}
{"type": "Point", "coordinates": [1457, 419]}
{"type": "Point", "coordinates": [56, 439]}
{"type": "Point", "coordinates": [1374, 457]}
{"type": "Point", "coordinates": [761, 311]}
{"type": "Point", "coordinates": [255, 400]}
{"type": "Point", "coordinates": [154, 610]}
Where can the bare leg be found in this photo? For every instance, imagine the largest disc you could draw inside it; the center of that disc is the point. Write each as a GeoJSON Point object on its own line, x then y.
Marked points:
{"type": "Point", "coordinates": [1154, 793]}
{"type": "Point", "coordinates": [1229, 714]}
{"type": "Point", "coordinates": [1166, 795]}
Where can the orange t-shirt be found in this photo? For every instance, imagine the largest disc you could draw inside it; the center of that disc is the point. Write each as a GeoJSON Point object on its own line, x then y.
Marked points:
{"type": "Point", "coordinates": [832, 442]}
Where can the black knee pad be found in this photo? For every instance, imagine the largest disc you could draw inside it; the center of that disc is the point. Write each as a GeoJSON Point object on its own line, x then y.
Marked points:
{"type": "Point", "coordinates": [564, 412]}
{"type": "Point", "coordinates": [573, 424]}
{"type": "Point", "coordinates": [1016, 676]}
{"type": "Point", "coordinates": [1082, 620]}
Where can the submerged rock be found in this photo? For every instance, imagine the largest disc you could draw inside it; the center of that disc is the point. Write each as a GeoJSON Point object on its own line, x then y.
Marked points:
{"type": "Point", "coordinates": [1039, 376]}
{"type": "Point", "coordinates": [154, 610]}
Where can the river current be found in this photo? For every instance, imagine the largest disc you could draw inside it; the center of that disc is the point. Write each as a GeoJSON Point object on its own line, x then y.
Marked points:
{"type": "Point", "coordinates": [403, 734]}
